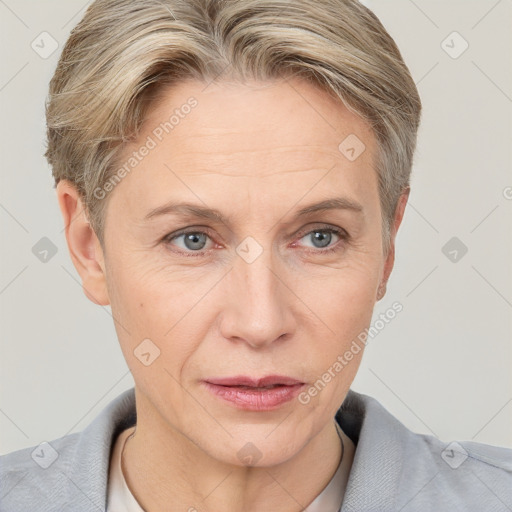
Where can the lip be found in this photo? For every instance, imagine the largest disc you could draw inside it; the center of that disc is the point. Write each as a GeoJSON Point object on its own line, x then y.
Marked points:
{"type": "Point", "coordinates": [249, 393]}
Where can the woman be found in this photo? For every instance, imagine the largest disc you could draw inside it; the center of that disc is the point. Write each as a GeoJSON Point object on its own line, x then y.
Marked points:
{"type": "Point", "coordinates": [232, 176]}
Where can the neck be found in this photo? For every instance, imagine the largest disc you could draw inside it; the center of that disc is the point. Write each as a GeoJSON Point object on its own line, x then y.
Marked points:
{"type": "Point", "coordinates": [167, 468]}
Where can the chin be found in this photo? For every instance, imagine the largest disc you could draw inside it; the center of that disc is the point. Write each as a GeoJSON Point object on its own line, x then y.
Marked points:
{"type": "Point", "coordinates": [258, 450]}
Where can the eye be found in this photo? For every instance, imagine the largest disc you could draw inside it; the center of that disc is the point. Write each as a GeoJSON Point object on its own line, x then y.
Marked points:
{"type": "Point", "coordinates": [321, 239]}
{"type": "Point", "coordinates": [191, 241]}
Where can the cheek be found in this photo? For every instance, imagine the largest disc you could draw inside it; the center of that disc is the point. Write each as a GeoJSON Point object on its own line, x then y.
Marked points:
{"type": "Point", "coordinates": [162, 304]}
{"type": "Point", "coordinates": [140, 289]}
{"type": "Point", "coordinates": [344, 297]}
{"type": "Point", "coordinates": [344, 302]}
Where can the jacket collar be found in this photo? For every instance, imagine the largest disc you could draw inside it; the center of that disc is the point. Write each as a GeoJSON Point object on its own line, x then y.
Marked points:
{"type": "Point", "coordinates": [377, 467]}
{"type": "Point", "coordinates": [95, 443]}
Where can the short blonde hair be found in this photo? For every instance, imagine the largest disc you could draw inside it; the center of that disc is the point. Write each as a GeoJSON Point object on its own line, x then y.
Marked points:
{"type": "Point", "coordinates": [123, 52]}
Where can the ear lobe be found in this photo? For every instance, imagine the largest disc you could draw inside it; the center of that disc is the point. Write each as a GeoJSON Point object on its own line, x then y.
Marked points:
{"type": "Point", "coordinates": [83, 244]}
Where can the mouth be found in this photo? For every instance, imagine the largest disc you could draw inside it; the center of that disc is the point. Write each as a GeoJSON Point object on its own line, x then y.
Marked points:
{"type": "Point", "coordinates": [255, 394]}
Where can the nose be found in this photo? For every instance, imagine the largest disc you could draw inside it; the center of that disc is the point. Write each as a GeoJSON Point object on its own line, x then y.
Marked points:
{"type": "Point", "coordinates": [259, 309]}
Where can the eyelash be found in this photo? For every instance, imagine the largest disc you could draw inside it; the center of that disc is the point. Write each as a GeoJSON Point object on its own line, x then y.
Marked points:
{"type": "Point", "coordinates": [344, 238]}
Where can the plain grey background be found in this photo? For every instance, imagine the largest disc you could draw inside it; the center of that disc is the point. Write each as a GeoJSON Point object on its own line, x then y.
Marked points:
{"type": "Point", "coordinates": [442, 366]}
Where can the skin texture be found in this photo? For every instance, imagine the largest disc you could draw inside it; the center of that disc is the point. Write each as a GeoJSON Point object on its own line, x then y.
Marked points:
{"type": "Point", "coordinates": [258, 152]}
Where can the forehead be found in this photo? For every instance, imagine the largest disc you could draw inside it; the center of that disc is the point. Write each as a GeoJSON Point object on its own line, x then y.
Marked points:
{"type": "Point", "coordinates": [284, 117]}
{"type": "Point", "coordinates": [259, 141]}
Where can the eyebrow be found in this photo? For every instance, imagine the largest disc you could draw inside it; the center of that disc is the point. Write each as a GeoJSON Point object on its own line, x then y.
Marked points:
{"type": "Point", "coordinates": [193, 210]}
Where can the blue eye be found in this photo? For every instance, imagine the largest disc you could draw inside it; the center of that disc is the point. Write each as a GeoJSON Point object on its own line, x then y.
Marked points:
{"type": "Point", "coordinates": [194, 242]}
{"type": "Point", "coordinates": [324, 239]}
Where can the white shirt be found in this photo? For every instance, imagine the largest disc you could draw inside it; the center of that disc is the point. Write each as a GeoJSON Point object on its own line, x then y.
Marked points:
{"type": "Point", "coordinates": [120, 498]}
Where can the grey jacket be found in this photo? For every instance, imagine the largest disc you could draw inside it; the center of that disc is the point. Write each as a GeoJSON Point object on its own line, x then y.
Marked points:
{"type": "Point", "coordinates": [394, 469]}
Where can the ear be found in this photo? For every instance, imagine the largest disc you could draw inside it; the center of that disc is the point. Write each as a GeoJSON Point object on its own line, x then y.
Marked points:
{"type": "Point", "coordinates": [83, 244]}
{"type": "Point", "coordinates": [390, 258]}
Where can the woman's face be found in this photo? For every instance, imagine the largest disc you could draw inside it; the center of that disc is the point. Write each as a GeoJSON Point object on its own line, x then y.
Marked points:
{"type": "Point", "coordinates": [266, 291]}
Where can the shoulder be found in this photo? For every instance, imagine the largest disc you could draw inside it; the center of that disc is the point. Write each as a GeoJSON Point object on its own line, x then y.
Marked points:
{"type": "Point", "coordinates": [462, 475]}
{"type": "Point", "coordinates": [414, 472]}
{"type": "Point", "coordinates": [33, 475]}
{"type": "Point", "coordinates": [69, 471]}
